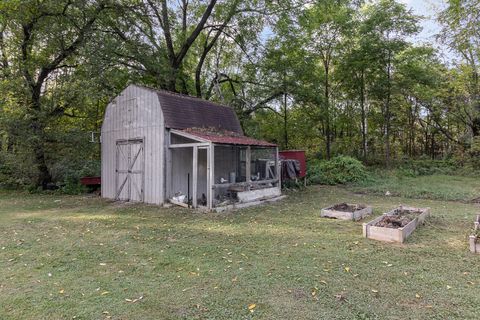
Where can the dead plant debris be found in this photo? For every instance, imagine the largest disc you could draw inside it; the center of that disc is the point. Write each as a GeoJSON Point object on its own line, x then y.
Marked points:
{"type": "Point", "coordinates": [399, 219]}
{"type": "Point", "coordinates": [345, 207]}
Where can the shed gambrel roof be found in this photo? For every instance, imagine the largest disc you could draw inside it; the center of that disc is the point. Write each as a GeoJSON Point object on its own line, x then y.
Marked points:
{"type": "Point", "coordinates": [182, 111]}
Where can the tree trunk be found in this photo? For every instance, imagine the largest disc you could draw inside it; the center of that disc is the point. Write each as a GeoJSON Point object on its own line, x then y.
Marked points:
{"type": "Point", "coordinates": [285, 121]}
{"type": "Point", "coordinates": [387, 111]}
{"type": "Point", "coordinates": [172, 79]}
{"type": "Point", "coordinates": [327, 109]}
{"type": "Point", "coordinates": [432, 145]}
{"type": "Point", "coordinates": [364, 115]}
{"type": "Point", "coordinates": [38, 143]}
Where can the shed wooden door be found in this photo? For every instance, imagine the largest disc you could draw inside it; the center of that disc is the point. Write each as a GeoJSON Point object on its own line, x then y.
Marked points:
{"type": "Point", "coordinates": [130, 164]}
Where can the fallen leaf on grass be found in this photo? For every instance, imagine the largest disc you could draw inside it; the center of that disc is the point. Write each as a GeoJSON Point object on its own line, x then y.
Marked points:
{"type": "Point", "coordinates": [134, 300]}
{"type": "Point", "coordinates": [347, 269]}
{"type": "Point", "coordinates": [104, 293]}
{"type": "Point", "coordinates": [61, 291]}
{"type": "Point", "coordinates": [251, 307]}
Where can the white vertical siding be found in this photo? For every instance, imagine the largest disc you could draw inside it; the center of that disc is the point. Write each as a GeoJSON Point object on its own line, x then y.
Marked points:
{"type": "Point", "coordinates": [181, 166]}
{"type": "Point", "coordinates": [135, 113]}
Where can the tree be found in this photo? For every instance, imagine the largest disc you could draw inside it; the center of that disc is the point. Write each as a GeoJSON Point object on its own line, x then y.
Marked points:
{"type": "Point", "coordinates": [171, 43]}
{"type": "Point", "coordinates": [461, 32]}
{"type": "Point", "coordinates": [386, 26]}
{"type": "Point", "coordinates": [326, 26]}
{"type": "Point", "coordinates": [44, 39]}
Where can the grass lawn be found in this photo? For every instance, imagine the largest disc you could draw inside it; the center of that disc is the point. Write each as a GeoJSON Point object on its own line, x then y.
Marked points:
{"type": "Point", "coordinates": [65, 257]}
{"type": "Point", "coordinates": [439, 187]}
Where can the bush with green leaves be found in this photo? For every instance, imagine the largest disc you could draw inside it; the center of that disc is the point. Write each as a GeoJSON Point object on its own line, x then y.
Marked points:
{"type": "Point", "coordinates": [338, 170]}
{"type": "Point", "coordinates": [474, 153]}
{"type": "Point", "coordinates": [414, 168]}
{"type": "Point", "coordinates": [70, 174]}
{"type": "Point", "coordinates": [17, 170]}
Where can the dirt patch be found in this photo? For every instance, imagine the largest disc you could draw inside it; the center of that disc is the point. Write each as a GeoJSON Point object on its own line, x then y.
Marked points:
{"type": "Point", "coordinates": [345, 207]}
{"type": "Point", "coordinates": [399, 219]}
{"type": "Point", "coordinates": [299, 294]}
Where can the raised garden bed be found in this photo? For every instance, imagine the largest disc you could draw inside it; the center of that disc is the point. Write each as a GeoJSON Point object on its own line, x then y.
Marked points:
{"type": "Point", "coordinates": [395, 225]}
{"type": "Point", "coordinates": [346, 211]}
{"type": "Point", "coordinates": [475, 237]}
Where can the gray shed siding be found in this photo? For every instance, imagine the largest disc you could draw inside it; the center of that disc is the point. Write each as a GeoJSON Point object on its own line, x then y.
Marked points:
{"type": "Point", "coordinates": [181, 166]}
{"type": "Point", "coordinates": [135, 113]}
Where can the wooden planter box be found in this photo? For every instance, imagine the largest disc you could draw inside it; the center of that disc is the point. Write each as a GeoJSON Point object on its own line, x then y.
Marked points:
{"type": "Point", "coordinates": [474, 244]}
{"type": "Point", "coordinates": [330, 212]}
{"type": "Point", "coordinates": [394, 234]}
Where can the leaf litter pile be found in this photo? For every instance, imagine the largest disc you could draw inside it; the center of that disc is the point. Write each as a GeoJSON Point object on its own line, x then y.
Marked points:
{"type": "Point", "coordinates": [399, 219]}
{"type": "Point", "coordinates": [345, 207]}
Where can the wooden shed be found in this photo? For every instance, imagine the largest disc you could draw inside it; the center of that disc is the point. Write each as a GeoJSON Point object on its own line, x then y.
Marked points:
{"type": "Point", "coordinates": [160, 147]}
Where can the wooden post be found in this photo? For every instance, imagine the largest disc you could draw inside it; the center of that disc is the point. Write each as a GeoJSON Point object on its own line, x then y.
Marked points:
{"type": "Point", "coordinates": [194, 176]}
{"type": "Point", "coordinates": [168, 168]}
{"type": "Point", "coordinates": [277, 168]}
{"type": "Point", "coordinates": [248, 163]}
{"type": "Point", "coordinates": [117, 157]}
{"type": "Point", "coordinates": [209, 184]}
{"type": "Point", "coordinates": [211, 175]}
{"type": "Point", "coordinates": [129, 175]}
{"type": "Point", "coordinates": [143, 168]}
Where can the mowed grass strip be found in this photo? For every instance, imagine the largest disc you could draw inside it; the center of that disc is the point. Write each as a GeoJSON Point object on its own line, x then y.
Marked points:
{"type": "Point", "coordinates": [65, 257]}
{"type": "Point", "coordinates": [437, 186]}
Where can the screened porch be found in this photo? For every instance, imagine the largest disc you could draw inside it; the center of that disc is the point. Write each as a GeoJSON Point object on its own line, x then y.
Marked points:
{"type": "Point", "coordinates": [217, 170]}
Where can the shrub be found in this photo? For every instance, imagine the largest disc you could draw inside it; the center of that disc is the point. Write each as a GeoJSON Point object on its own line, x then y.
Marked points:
{"type": "Point", "coordinates": [415, 168]}
{"type": "Point", "coordinates": [338, 170]}
{"type": "Point", "coordinates": [71, 175]}
{"type": "Point", "coordinates": [17, 170]}
{"type": "Point", "coordinates": [71, 184]}
{"type": "Point", "coordinates": [292, 184]}
{"type": "Point", "coordinates": [474, 153]}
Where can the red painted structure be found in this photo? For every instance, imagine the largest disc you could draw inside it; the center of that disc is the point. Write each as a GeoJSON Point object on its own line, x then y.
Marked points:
{"type": "Point", "coordinates": [91, 181]}
{"type": "Point", "coordinates": [296, 155]}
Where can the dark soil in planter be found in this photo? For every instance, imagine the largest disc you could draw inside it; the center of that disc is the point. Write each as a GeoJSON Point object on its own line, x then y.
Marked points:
{"type": "Point", "coordinates": [348, 208]}
{"type": "Point", "coordinates": [398, 220]}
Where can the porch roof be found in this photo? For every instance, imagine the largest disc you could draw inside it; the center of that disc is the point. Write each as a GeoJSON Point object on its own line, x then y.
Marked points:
{"type": "Point", "coordinates": [225, 137]}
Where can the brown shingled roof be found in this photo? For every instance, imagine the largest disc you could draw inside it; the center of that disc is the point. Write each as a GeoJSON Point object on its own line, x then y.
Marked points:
{"type": "Point", "coordinates": [226, 137]}
{"type": "Point", "coordinates": [182, 111]}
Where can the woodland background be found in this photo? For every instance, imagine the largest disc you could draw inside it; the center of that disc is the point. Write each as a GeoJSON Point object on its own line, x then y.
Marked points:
{"type": "Point", "coordinates": [331, 77]}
